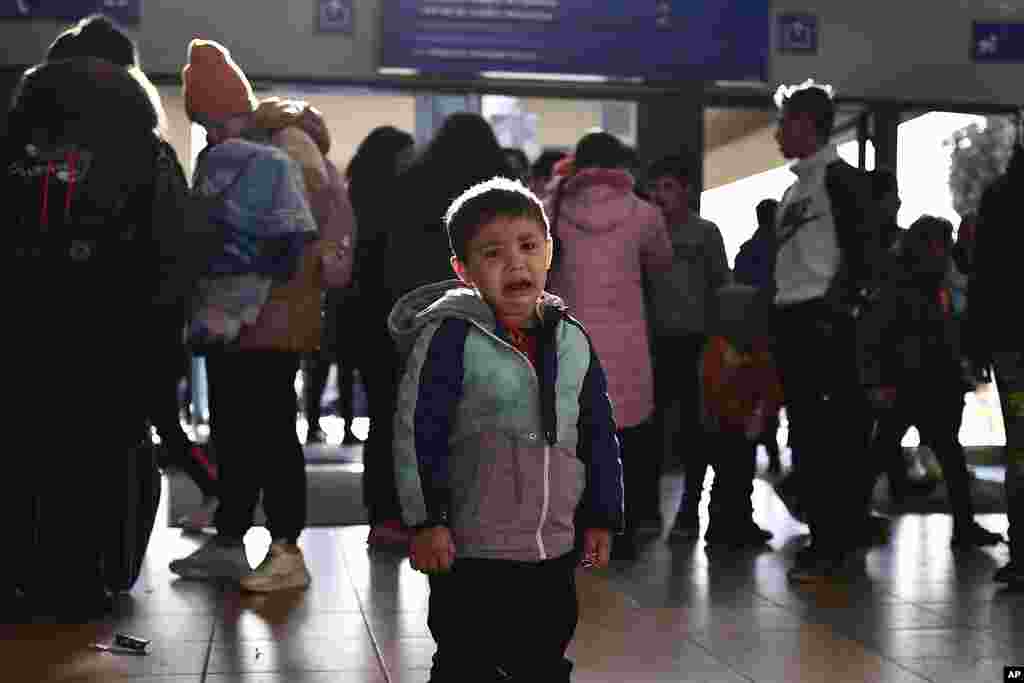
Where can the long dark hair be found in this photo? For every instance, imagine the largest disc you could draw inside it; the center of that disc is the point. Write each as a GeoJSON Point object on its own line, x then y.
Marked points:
{"type": "Point", "coordinates": [374, 167]}
{"type": "Point", "coordinates": [371, 176]}
{"type": "Point", "coordinates": [463, 152]}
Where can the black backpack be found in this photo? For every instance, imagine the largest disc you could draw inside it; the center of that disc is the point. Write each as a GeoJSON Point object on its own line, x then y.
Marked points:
{"type": "Point", "coordinates": [63, 224]}
{"type": "Point", "coordinates": [78, 178]}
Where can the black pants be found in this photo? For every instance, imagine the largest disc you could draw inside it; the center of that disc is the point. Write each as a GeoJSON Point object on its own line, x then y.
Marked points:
{"type": "Point", "coordinates": [516, 617]}
{"type": "Point", "coordinates": [816, 354]}
{"type": "Point", "coordinates": [677, 404]}
{"type": "Point", "coordinates": [380, 374]}
{"type": "Point", "coordinates": [316, 371]}
{"type": "Point", "coordinates": [1009, 375]}
{"type": "Point", "coordinates": [735, 464]}
{"type": "Point", "coordinates": [937, 412]}
{"type": "Point", "coordinates": [640, 472]}
{"type": "Point", "coordinates": [770, 438]}
{"type": "Point", "coordinates": [168, 365]}
{"type": "Point", "coordinates": [252, 415]}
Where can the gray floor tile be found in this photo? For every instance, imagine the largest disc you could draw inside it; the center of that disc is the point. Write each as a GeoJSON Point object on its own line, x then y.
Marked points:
{"type": "Point", "coordinates": [657, 659]}
{"type": "Point", "coordinates": [950, 642]}
{"type": "Point", "coordinates": [388, 625]}
{"type": "Point", "coordinates": [874, 617]}
{"type": "Point", "coordinates": [306, 654]}
{"type": "Point", "coordinates": [407, 653]}
{"type": "Point", "coordinates": [347, 676]}
{"type": "Point", "coordinates": [815, 653]}
{"type": "Point", "coordinates": [295, 625]}
{"type": "Point", "coordinates": [957, 669]}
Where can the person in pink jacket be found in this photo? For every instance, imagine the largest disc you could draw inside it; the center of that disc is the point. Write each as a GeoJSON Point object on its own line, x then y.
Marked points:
{"type": "Point", "coordinates": [606, 240]}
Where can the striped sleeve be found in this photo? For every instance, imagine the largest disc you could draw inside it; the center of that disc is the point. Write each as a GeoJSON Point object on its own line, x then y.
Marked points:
{"type": "Point", "coordinates": [429, 392]}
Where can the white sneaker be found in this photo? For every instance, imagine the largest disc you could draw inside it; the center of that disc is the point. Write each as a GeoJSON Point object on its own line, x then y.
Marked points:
{"type": "Point", "coordinates": [214, 560]}
{"type": "Point", "coordinates": [201, 518]}
{"type": "Point", "coordinates": [284, 567]}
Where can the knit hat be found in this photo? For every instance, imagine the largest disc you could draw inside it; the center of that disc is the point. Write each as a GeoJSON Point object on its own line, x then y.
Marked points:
{"type": "Point", "coordinates": [94, 36]}
{"type": "Point", "coordinates": [215, 87]}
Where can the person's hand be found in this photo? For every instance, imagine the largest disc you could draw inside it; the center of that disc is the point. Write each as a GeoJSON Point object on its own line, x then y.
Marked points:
{"type": "Point", "coordinates": [597, 548]}
{"type": "Point", "coordinates": [311, 120]}
{"type": "Point", "coordinates": [432, 550]}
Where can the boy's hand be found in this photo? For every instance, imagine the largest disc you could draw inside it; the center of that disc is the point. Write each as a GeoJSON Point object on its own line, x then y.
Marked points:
{"type": "Point", "coordinates": [597, 547]}
{"type": "Point", "coordinates": [432, 550]}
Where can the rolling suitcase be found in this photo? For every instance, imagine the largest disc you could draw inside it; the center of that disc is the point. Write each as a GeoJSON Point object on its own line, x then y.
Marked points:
{"type": "Point", "coordinates": [137, 484]}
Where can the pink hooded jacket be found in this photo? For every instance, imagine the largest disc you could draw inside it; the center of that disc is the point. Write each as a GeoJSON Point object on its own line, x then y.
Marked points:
{"type": "Point", "coordinates": [609, 239]}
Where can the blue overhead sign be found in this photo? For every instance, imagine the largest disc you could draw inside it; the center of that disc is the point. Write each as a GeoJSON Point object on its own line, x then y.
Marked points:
{"type": "Point", "coordinates": [122, 11]}
{"type": "Point", "coordinates": [997, 42]}
{"type": "Point", "coordinates": [650, 39]}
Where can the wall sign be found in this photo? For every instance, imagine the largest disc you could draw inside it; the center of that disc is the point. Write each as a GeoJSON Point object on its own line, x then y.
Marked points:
{"type": "Point", "coordinates": [797, 33]}
{"type": "Point", "coordinates": [997, 41]}
{"type": "Point", "coordinates": [650, 39]}
{"type": "Point", "coordinates": [122, 11]}
{"type": "Point", "coordinates": [335, 16]}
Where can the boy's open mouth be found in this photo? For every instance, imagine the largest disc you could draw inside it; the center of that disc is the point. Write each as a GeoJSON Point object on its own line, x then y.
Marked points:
{"type": "Point", "coordinates": [519, 286]}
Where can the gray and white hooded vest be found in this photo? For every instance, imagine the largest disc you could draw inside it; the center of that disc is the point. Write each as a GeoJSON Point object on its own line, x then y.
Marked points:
{"type": "Point", "coordinates": [499, 451]}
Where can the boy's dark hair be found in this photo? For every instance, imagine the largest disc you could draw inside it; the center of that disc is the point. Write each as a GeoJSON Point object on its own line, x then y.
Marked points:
{"type": "Point", "coordinates": [809, 99]}
{"type": "Point", "coordinates": [765, 211]}
{"type": "Point", "coordinates": [674, 165]}
{"type": "Point", "coordinates": [600, 150]}
{"type": "Point", "coordinates": [495, 198]}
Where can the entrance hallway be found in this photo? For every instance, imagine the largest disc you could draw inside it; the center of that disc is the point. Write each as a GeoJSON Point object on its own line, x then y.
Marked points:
{"type": "Point", "coordinates": [920, 612]}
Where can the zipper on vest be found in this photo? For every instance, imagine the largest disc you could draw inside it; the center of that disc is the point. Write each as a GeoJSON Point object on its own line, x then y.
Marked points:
{"type": "Point", "coordinates": [544, 505]}
{"type": "Point", "coordinates": [509, 346]}
{"type": "Point", "coordinates": [547, 447]}
{"type": "Point", "coordinates": [550, 436]}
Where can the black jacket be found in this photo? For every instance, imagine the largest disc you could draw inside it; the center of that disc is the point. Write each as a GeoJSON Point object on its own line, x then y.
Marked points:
{"type": "Point", "coordinates": [909, 342]}
{"type": "Point", "coordinates": [994, 289]}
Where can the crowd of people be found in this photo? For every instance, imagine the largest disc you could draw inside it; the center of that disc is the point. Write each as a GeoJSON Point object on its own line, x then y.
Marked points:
{"type": "Point", "coordinates": [540, 344]}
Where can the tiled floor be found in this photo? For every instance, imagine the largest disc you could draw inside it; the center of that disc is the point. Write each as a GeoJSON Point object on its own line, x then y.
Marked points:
{"type": "Point", "coordinates": [919, 612]}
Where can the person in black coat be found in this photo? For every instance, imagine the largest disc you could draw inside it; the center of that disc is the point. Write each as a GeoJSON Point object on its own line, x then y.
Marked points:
{"type": "Point", "coordinates": [912, 365]}
{"type": "Point", "coordinates": [372, 183]}
{"type": "Point", "coordinates": [994, 285]}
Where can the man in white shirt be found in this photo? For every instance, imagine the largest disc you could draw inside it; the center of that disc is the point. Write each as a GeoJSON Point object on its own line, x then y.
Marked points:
{"type": "Point", "coordinates": [825, 240]}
